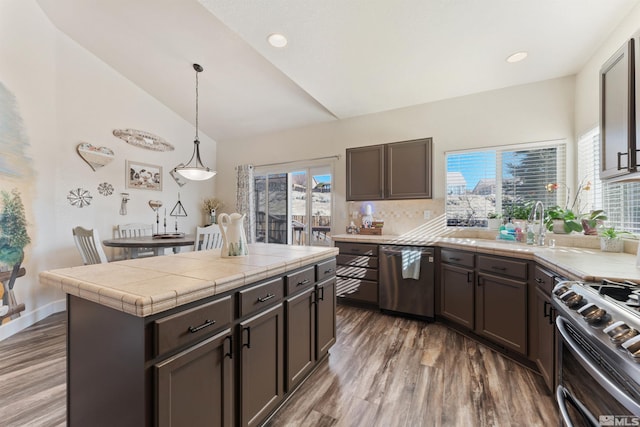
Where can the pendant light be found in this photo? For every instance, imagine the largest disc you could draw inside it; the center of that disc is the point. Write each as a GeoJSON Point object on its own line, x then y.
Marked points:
{"type": "Point", "coordinates": [197, 171]}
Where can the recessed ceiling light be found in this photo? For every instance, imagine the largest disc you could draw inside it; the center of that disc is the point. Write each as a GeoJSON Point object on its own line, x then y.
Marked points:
{"type": "Point", "coordinates": [277, 40]}
{"type": "Point", "coordinates": [517, 57]}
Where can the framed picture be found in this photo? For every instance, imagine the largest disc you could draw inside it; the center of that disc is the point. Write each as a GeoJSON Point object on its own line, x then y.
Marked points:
{"type": "Point", "coordinates": [143, 176]}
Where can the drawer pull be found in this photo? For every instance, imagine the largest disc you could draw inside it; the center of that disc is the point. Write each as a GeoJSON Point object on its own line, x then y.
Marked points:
{"type": "Point", "coordinates": [248, 343]}
{"type": "Point", "coordinates": [495, 267]}
{"type": "Point", "coordinates": [328, 271]}
{"type": "Point", "coordinates": [453, 258]}
{"type": "Point", "coordinates": [304, 282]}
{"type": "Point", "coordinates": [230, 352]}
{"type": "Point", "coordinates": [266, 298]}
{"type": "Point", "coordinates": [206, 324]}
{"type": "Point", "coordinates": [539, 280]}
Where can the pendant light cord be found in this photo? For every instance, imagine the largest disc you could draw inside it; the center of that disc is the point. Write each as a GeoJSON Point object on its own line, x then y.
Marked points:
{"type": "Point", "coordinates": [197, 72]}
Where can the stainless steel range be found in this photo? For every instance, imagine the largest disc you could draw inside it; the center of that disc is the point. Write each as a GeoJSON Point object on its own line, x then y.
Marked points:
{"type": "Point", "coordinates": [598, 328]}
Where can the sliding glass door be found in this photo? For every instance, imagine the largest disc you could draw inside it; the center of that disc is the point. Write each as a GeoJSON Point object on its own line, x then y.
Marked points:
{"type": "Point", "coordinates": [294, 206]}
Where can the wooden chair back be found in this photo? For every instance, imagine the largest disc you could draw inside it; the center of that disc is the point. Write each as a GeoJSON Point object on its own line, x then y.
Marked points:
{"type": "Point", "coordinates": [136, 230]}
{"type": "Point", "coordinates": [208, 237]}
{"type": "Point", "coordinates": [89, 246]}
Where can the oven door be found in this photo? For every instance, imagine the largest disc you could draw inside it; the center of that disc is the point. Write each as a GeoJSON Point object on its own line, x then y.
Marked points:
{"type": "Point", "coordinates": [588, 393]}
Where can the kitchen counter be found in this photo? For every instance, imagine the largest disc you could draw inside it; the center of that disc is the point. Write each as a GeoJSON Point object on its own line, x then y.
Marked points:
{"type": "Point", "coordinates": [147, 286]}
{"type": "Point", "coordinates": [584, 264]}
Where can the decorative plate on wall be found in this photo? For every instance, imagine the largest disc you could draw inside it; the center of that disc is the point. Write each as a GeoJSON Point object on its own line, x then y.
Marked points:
{"type": "Point", "coordinates": [143, 139]}
{"type": "Point", "coordinates": [79, 197]}
{"type": "Point", "coordinates": [96, 157]}
{"type": "Point", "coordinates": [105, 189]}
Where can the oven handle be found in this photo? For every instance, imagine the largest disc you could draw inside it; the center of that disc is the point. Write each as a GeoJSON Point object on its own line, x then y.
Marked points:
{"type": "Point", "coordinates": [562, 397]}
{"type": "Point", "coordinates": [594, 370]}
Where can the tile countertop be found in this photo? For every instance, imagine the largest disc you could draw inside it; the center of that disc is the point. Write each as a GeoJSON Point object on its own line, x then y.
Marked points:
{"type": "Point", "coordinates": [147, 286]}
{"type": "Point", "coordinates": [590, 265]}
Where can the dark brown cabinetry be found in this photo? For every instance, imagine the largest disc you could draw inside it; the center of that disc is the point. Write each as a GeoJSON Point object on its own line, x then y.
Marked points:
{"type": "Point", "coordinates": [184, 398]}
{"type": "Point", "coordinates": [365, 173]}
{"type": "Point", "coordinates": [400, 170]}
{"type": "Point", "coordinates": [219, 361]}
{"type": "Point", "coordinates": [457, 294]}
{"type": "Point", "coordinates": [543, 335]}
{"type": "Point", "coordinates": [357, 272]}
{"type": "Point", "coordinates": [408, 170]}
{"type": "Point", "coordinates": [487, 295]}
{"type": "Point", "coordinates": [618, 155]}
{"type": "Point", "coordinates": [261, 365]}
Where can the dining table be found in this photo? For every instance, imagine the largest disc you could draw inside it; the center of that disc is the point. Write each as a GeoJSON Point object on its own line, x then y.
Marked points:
{"type": "Point", "coordinates": [158, 243]}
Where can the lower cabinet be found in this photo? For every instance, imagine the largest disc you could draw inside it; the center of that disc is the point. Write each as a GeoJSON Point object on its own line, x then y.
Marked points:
{"type": "Point", "coordinates": [501, 313]}
{"type": "Point", "coordinates": [457, 298]}
{"type": "Point", "coordinates": [261, 361]}
{"type": "Point", "coordinates": [310, 329]}
{"type": "Point", "coordinates": [545, 355]}
{"type": "Point", "coordinates": [184, 398]}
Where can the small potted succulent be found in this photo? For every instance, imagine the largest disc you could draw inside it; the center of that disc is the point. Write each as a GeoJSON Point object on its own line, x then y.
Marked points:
{"type": "Point", "coordinates": [611, 239]}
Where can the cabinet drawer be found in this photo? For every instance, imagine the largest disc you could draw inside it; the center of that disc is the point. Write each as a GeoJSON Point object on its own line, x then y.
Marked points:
{"type": "Point", "coordinates": [357, 248]}
{"type": "Point", "coordinates": [358, 261]}
{"type": "Point", "coordinates": [325, 270]}
{"type": "Point", "coordinates": [464, 259]}
{"type": "Point", "coordinates": [503, 267]}
{"type": "Point", "coordinates": [357, 273]}
{"type": "Point", "coordinates": [544, 279]}
{"type": "Point", "coordinates": [300, 279]}
{"type": "Point", "coordinates": [355, 289]}
{"type": "Point", "coordinates": [262, 295]}
{"type": "Point", "coordinates": [186, 326]}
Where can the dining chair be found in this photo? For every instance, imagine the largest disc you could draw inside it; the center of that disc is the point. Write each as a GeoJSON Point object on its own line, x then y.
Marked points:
{"type": "Point", "coordinates": [136, 230]}
{"type": "Point", "coordinates": [208, 237]}
{"type": "Point", "coordinates": [89, 246]}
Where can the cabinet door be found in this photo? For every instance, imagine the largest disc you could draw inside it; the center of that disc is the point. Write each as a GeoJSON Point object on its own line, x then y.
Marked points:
{"type": "Point", "coordinates": [546, 337]}
{"type": "Point", "coordinates": [456, 294]}
{"type": "Point", "coordinates": [195, 387]}
{"type": "Point", "coordinates": [617, 133]}
{"type": "Point", "coordinates": [326, 316]}
{"type": "Point", "coordinates": [501, 311]}
{"type": "Point", "coordinates": [408, 170]}
{"type": "Point", "coordinates": [301, 335]}
{"type": "Point", "coordinates": [365, 173]}
{"type": "Point", "coordinates": [261, 365]}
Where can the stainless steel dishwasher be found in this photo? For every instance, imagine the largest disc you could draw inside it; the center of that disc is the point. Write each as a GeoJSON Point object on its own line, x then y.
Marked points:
{"type": "Point", "coordinates": [404, 286]}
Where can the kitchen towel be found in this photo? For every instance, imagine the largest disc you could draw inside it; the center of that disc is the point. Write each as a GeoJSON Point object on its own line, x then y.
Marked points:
{"type": "Point", "coordinates": [411, 264]}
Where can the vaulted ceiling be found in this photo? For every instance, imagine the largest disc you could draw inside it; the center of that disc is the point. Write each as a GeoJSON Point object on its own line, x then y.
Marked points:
{"type": "Point", "coordinates": [344, 58]}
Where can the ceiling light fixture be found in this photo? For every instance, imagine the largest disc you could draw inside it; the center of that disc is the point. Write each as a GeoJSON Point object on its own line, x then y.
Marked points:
{"type": "Point", "coordinates": [198, 171]}
{"type": "Point", "coordinates": [277, 40]}
{"type": "Point", "coordinates": [517, 57]}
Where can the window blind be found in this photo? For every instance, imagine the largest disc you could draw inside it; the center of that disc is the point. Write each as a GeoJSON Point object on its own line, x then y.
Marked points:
{"type": "Point", "coordinates": [619, 200]}
{"type": "Point", "coordinates": [504, 180]}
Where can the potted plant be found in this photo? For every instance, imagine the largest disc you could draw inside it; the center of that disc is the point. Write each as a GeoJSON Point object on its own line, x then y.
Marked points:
{"type": "Point", "coordinates": [561, 220]}
{"type": "Point", "coordinates": [494, 220]}
{"type": "Point", "coordinates": [611, 239]}
{"type": "Point", "coordinates": [592, 221]}
{"type": "Point", "coordinates": [211, 209]}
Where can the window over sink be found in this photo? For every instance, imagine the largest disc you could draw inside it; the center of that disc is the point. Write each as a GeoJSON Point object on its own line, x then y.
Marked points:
{"type": "Point", "coordinates": [501, 180]}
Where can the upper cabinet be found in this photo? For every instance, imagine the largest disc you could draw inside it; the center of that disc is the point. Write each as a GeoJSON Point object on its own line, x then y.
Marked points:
{"type": "Point", "coordinates": [400, 170]}
{"type": "Point", "coordinates": [618, 156]}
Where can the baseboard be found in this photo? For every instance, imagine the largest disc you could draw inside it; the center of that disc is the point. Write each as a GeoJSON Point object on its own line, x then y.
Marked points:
{"type": "Point", "coordinates": [28, 319]}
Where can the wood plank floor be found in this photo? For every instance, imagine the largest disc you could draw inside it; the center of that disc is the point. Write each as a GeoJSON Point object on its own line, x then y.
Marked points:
{"type": "Point", "coordinates": [383, 371]}
{"type": "Point", "coordinates": [390, 371]}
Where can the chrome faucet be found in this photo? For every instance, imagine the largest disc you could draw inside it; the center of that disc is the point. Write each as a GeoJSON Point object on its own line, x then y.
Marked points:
{"type": "Point", "coordinates": [532, 218]}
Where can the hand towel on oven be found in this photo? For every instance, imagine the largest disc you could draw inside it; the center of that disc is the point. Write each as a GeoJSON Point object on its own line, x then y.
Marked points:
{"type": "Point", "coordinates": [411, 264]}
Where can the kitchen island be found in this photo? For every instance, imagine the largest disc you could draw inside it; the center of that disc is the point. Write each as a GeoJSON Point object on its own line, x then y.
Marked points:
{"type": "Point", "coordinates": [194, 338]}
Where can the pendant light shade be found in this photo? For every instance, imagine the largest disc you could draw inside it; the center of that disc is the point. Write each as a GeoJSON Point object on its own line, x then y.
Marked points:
{"type": "Point", "coordinates": [194, 169]}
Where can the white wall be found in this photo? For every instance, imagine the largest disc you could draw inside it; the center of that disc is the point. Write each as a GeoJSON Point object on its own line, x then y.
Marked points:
{"type": "Point", "coordinates": [65, 96]}
{"type": "Point", "coordinates": [588, 79]}
{"type": "Point", "coordinates": [535, 112]}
